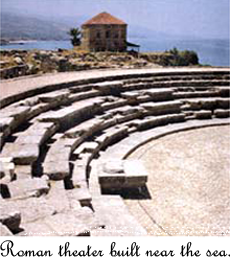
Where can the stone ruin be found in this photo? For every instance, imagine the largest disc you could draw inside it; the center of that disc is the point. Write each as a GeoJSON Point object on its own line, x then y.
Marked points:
{"type": "Point", "coordinates": [64, 150]}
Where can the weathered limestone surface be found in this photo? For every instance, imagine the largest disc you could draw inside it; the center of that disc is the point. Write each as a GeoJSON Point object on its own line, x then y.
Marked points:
{"type": "Point", "coordinates": [203, 114]}
{"type": "Point", "coordinates": [7, 169]}
{"type": "Point", "coordinates": [21, 153]}
{"type": "Point", "coordinates": [162, 107]}
{"type": "Point", "coordinates": [86, 122]}
{"type": "Point", "coordinates": [54, 96]}
{"type": "Point", "coordinates": [122, 174]}
{"type": "Point", "coordinates": [120, 222]}
{"type": "Point", "coordinates": [31, 187]}
{"type": "Point", "coordinates": [221, 113]}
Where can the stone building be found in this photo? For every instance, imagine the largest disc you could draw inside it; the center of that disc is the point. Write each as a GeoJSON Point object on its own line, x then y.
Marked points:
{"type": "Point", "coordinates": [104, 32]}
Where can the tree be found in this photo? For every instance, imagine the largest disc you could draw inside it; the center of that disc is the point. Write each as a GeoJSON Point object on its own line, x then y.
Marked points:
{"type": "Point", "coordinates": [191, 57]}
{"type": "Point", "coordinates": [75, 36]}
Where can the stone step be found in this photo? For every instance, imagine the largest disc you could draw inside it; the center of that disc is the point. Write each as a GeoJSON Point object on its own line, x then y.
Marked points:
{"type": "Point", "coordinates": [121, 175]}
{"type": "Point", "coordinates": [70, 223]}
{"type": "Point", "coordinates": [54, 96]}
{"type": "Point", "coordinates": [203, 114]}
{"type": "Point", "coordinates": [205, 103]}
{"type": "Point", "coordinates": [25, 149]}
{"type": "Point", "coordinates": [180, 95]}
{"type": "Point", "coordinates": [85, 129]}
{"type": "Point", "coordinates": [109, 87]}
{"type": "Point", "coordinates": [111, 135]}
{"type": "Point", "coordinates": [22, 154]}
{"type": "Point", "coordinates": [30, 187]}
{"type": "Point", "coordinates": [83, 95]}
{"type": "Point", "coordinates": [155, 121]}
{"type": "Point", "coordinates": [159, 94]}
{"type": "Point", "coordinates": [174, 84]}
{"type": "Point", "coordinates": [75, 113]}
{"type": "Point", "coordinates": [177, 77]}
{"type": "Point", "coordinates": [159, 108]}
{"type": "Point", "coordinates": [11, 118]}
{"type": "Point", "coordinates": [56, 162]}
{"type": "Point", "coordinates": [222, 113]}
{"type": "Point", "coordinates": [114, 216]}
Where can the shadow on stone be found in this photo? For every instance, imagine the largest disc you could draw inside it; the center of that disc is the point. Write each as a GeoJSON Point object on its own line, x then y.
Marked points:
{"type": "Point", "coordinates": [140, 193]}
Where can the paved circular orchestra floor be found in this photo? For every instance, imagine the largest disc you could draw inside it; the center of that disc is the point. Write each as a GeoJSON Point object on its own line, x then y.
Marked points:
{"type": "Point", "coordinates": [188, 190]}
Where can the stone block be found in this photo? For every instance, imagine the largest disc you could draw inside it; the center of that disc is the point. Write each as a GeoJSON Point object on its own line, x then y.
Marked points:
{"type": "Point", "coordinates": [122, 174]}
{"type": "Point", "coordinates": [79, 194]}
{"type": "Point", "coordinates": [159, 94]}
{"type": "Point", "coordinates": [112, 87]}
{"type": "Point", "coordinates": [87, 147]}
{"type": "Point", "coordinates": [203, 114]}
{"type": "Point", "coordinates": [7, 168]}
{"type": "Point", "coordinates": [6, 122]}
{"type": "Point", "coordinates": [159, 108]}
{"type": "Point", "coordinates": [85, 129]}
{"type": "Point", "coordinates": [67, 224]}
{"type": "Point", "coordinates": [21, 153]}
{"type": "Point", "coordinates": [30, 187]}
{"type": "Point", "coordinates": [54, 96]}
{"type": "Point", "coordinates": [222, 113]}
{"type": "Point", "coordinates": [56, 170]}
{"type": "Point", "coordinates": [79, 177]}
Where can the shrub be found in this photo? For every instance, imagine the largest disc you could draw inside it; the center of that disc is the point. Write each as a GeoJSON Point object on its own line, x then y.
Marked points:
{"type": "Point", "coordinates": [182, 58]}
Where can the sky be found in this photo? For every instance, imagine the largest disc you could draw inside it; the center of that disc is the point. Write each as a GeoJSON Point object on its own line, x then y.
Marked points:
{"type": "Point", "coordinates": [198, 18]}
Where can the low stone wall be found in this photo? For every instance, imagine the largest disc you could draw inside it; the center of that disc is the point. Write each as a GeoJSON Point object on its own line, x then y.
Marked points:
{"type": "Point", "coordinates": [15, 71]}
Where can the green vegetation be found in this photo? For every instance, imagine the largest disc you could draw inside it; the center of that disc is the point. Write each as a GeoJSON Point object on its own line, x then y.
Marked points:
{"type": "Point", "coordinates": [172, 57]}
{"type": "Point", "coordinates": [181, 58]}
{"type": "Point", "coordinates": [75, 36]}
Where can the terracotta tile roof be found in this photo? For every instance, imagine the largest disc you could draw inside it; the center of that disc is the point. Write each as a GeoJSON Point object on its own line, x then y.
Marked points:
{"type": "Point", "coordinates": [104, 18]}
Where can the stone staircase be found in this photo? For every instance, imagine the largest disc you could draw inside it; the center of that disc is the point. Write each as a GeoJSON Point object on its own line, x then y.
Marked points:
{"type": "Point", "coordinates": [52, 142]}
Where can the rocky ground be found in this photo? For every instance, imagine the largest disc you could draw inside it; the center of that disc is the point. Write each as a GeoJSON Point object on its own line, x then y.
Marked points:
{"type": "Point", "coordinates": [21, 62]}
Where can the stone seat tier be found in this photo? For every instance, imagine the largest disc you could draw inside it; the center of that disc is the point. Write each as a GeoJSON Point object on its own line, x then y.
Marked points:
{"type": "Point", "coordinates": [44, 102]}
{"type": "Point", "coordinates": [195, 94]}
{"type": "Point", "coordinates": [25, 150]}
{"type": "Point", "coordinates": [102, 120]}
{"type": "Point", "coordinates": [205, 103]}
{"type": "Point", "coordinates": [181, 83]}
{"type": "Point", "coordinates": [87, 129]}
{"type": "Point", "coordinates": [65, 114]}
{"type": "Point", "coordinates": [178, 77]}
{"type": "Point", "coordinates": [123, 148]}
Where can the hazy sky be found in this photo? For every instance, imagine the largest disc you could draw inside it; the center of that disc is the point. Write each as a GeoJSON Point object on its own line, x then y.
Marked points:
{"type": "Point", "coordinates": [201, 18]}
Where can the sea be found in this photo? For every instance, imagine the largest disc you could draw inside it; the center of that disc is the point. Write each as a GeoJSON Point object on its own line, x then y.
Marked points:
{"type": "Point", "coordinates": [213, 52]}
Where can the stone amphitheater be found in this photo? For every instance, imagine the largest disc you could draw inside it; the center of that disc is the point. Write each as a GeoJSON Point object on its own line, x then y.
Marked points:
{"type": "Point", "coordinates": [116, 152]}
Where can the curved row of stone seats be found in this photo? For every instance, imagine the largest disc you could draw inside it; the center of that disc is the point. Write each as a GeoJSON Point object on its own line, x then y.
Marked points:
{"type": "Point", "coordinates": [64, 96]}
{"type": "Point", "coordinates": [93, 130]}
{"type": "Point", "coordinates": [122, 149]}
{"type": "Point", "coordinates": [113, 134]}
{"type": "Point", "coordinates": [77, 135]}
{"type": "Point", "coordinates": [65, 114]}
{"type": "Point", "coordinates": [26, 157]}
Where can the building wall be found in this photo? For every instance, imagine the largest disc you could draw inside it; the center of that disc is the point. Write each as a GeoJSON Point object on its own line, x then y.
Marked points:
{"type": "Point", "coordinates": [104, 37]}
